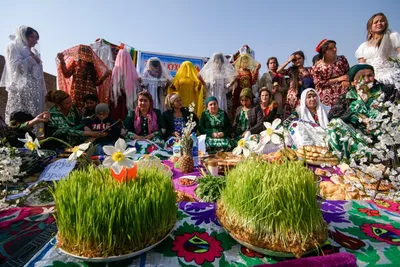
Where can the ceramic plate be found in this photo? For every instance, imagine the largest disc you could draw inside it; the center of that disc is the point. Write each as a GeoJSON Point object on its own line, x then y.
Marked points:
{"type": "Point", "coordinates": [116, 258]}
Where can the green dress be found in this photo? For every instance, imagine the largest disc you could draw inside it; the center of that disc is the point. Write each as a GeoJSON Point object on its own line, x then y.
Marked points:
{"type": "Point", "coordinates": [69, 127]}
{"type": "Point", "coordinates": [342, 132]}
{"type": "Point", "coordinates": [210, 124]}
{"type": "Point", "coordinates": [241, 123]}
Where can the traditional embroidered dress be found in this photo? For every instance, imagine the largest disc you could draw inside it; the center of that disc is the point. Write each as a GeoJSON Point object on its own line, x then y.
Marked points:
{"type": "Point", "coordinates": [305, 127]}
{"type": "Point", "coordinates": [144, 125]}
{"type": "Point", "coordinates": [210, 124]}
{"type": "Point", "coordinates": [78, 80]}
{"type": "Point", "coordinates": [322, 73]}
{"type": "Point", "coordinates": [66, 127]}
{"type": "Point", "coordinates": [340, 130]}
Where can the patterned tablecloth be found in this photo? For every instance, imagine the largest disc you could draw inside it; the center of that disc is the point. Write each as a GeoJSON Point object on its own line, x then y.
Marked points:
{"type": "Point", "coordinates": [369, 231]}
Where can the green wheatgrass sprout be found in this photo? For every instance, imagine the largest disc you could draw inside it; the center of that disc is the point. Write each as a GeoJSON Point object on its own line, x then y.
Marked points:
{"type": "Point", "coordinates": [99, 217]}
{"type": "Point", "coordinates": [273, 206]}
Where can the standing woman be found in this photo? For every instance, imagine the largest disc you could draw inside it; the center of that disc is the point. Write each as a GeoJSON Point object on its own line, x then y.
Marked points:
{"type": "Point", "coordinates": [247, 75]}
{"type": "Point", "coordinates": [156, 79]}
{"type": "Point", "coordinates": [381, 44]}
{"type": "Point", "coordinates": [217, 77]}
{"type": "Point", "coordinates": [330, 73]}
{"type": "Point", "coordinates": [275, 83]}
{"type": "Point", "coordinates": [300, 78]}
{"type": "Point", "coordinates": [188, 86]}
{"type": "Point", "coordinates": [79, 72]}
{"type": "Point", "coordinates": [23, 74]}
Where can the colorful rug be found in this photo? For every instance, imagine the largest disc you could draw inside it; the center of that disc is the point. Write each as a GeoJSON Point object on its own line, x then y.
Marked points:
{"type": "Point", "coordinates": [370, 233]}
{"type": "Point", "coordinates": [24, 231]}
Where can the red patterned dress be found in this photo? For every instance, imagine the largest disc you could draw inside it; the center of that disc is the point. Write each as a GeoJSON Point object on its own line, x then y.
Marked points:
{"type": "Point", "coordinates": [322, 73]}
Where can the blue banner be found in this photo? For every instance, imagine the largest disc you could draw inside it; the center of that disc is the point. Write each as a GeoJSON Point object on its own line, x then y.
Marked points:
{"type": "Point", "coordinates": [171, 62]}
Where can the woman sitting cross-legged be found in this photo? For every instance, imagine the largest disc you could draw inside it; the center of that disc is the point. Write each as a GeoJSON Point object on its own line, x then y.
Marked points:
{"type": "Point", "coordinates": [145, 122]}
{"type": "Point", "coordinates": [264, 112]}
{"type": "Point", "coordinates": [357, 109]}
{"type": "Point", "coordinates": [214, 122]}
{"type": "Point", "coordinates": [176, 116]}
{"type": "Point", "coordinates": [308, 124]}
{"type": "Point", "coordinates": [66, 121]}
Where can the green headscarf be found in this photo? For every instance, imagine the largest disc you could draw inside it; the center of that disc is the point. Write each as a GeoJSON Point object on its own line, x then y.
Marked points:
{"type": "Point", "coordinates": [211, 98]}
{"type": "Point", "coordinates": [356, 68]}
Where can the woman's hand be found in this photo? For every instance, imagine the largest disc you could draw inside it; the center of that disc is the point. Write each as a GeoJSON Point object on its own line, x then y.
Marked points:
{"type": "Point", "coordinates": [176, 134]}
{"type": "Point", "coordinates": [290, 59]}
{"type": "Point", "coordinates": [41, 118]}
{"type": "Point", "coordinates": [60, 57]}
{"type": "Point", "coordinates": [344, 78]}
{"type": "Point", "coordinates": [149, 137]}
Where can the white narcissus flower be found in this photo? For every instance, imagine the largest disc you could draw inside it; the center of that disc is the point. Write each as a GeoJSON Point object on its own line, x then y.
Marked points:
{"type": "Point", "coordinates": [77, 151]}
{"type": "Point", "coordinates": [31, 145]}
{"type": "Point", "coordinates": [272, 133]}
{"type": "Point", "coordinates": [245, 146]}
{"type": "Point", "coordinates": [191, 107]}
{"type": "Point", "coordinates": [118, 156]}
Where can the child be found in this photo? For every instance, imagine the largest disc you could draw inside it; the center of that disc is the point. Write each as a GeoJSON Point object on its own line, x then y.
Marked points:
{"type": "Point", "coordinates": [240, 123]}
{"type": "Point", "coordinates": [104, 124]}
{"type": "Point", "coordinates": [306, 82]}
{"type": "Point", "coordinates": [90, 101]}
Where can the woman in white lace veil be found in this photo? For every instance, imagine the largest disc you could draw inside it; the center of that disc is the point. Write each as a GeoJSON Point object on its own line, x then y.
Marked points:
{"type": "Point", "coordinates": [23, 74]}
{"type": "Point", "coordinates": [217, 77]}
{"type": "Point", "coordinates": [381, 44]}
{"type": "Point", "coordinates": [156, 78]}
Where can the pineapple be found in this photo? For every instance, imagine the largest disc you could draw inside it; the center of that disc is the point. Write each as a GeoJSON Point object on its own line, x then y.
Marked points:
{"type": "Point", "coordinates": [186, 162]}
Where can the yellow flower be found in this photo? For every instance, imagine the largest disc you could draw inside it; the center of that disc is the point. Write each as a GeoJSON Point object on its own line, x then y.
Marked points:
{"type": "Point", "coordinates": [31, 144]}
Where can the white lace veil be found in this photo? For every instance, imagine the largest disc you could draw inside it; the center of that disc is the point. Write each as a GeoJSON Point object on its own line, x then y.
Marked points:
{"type": "Point", "coordinates": [386, 48]}
{"type": "Point", "coordinates": [151, 72]}
{"type": "Point", "coordinates": [19, 61]}
{"type": "Point", "coordinates": [217, 67]}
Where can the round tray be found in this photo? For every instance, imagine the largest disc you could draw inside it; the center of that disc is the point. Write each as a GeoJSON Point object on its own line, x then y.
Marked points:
{"type": "Point", "coordinates": [268, 252]}
{"type": "Point", "coordinates": [116, 258]}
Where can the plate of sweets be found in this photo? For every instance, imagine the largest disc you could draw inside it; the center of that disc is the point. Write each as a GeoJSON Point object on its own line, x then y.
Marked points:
{"type": "Point", "coordinates": [187, 180]}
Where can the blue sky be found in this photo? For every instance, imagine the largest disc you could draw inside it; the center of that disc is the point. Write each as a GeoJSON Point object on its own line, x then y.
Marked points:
{"type": "Point", "coordinates": [197, 28]}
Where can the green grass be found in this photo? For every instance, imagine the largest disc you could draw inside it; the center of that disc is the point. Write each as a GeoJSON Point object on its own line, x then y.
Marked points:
{"type": "Point", "coordinates": [275, 202]}
{"type": "Point", "coordinates": [100, 217]}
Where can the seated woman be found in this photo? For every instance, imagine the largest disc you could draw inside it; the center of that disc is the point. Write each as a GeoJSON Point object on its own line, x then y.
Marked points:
{"type": "Point", "coordinates": [20, 123]}
{"type": "Point", "coordinates": [308, 124]}
{"type": "Point", "coordinates": [264, 112]}
{"type": "Point", "coordinates": [241, 122]}
{"type": "Point", "coordinates": [357, 110]}
{"type": "Point", "coordinates": [214, 122]}
{"type": "Point", "coordinates": [66, 121]}
{"type": "Point", "coordinates": [176, 116]}
{"type": "Point", "coordinates": [145, 123]}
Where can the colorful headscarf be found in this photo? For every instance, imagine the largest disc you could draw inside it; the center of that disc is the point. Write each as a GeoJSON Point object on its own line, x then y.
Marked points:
{"type": "Point", "coordinates": [170, 99]}
{"type": "Point", "coordinates": [252, 63]}
{"type": "Point", "coordinates": [85, 53]}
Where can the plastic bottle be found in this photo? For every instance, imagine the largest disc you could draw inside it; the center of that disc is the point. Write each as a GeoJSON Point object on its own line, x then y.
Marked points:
{"type": "Point", "coordinates": [195, 150]}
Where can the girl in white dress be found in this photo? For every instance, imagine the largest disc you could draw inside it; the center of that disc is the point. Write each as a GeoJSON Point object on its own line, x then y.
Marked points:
{"type": "Point", "coordinates": [381, 45]}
